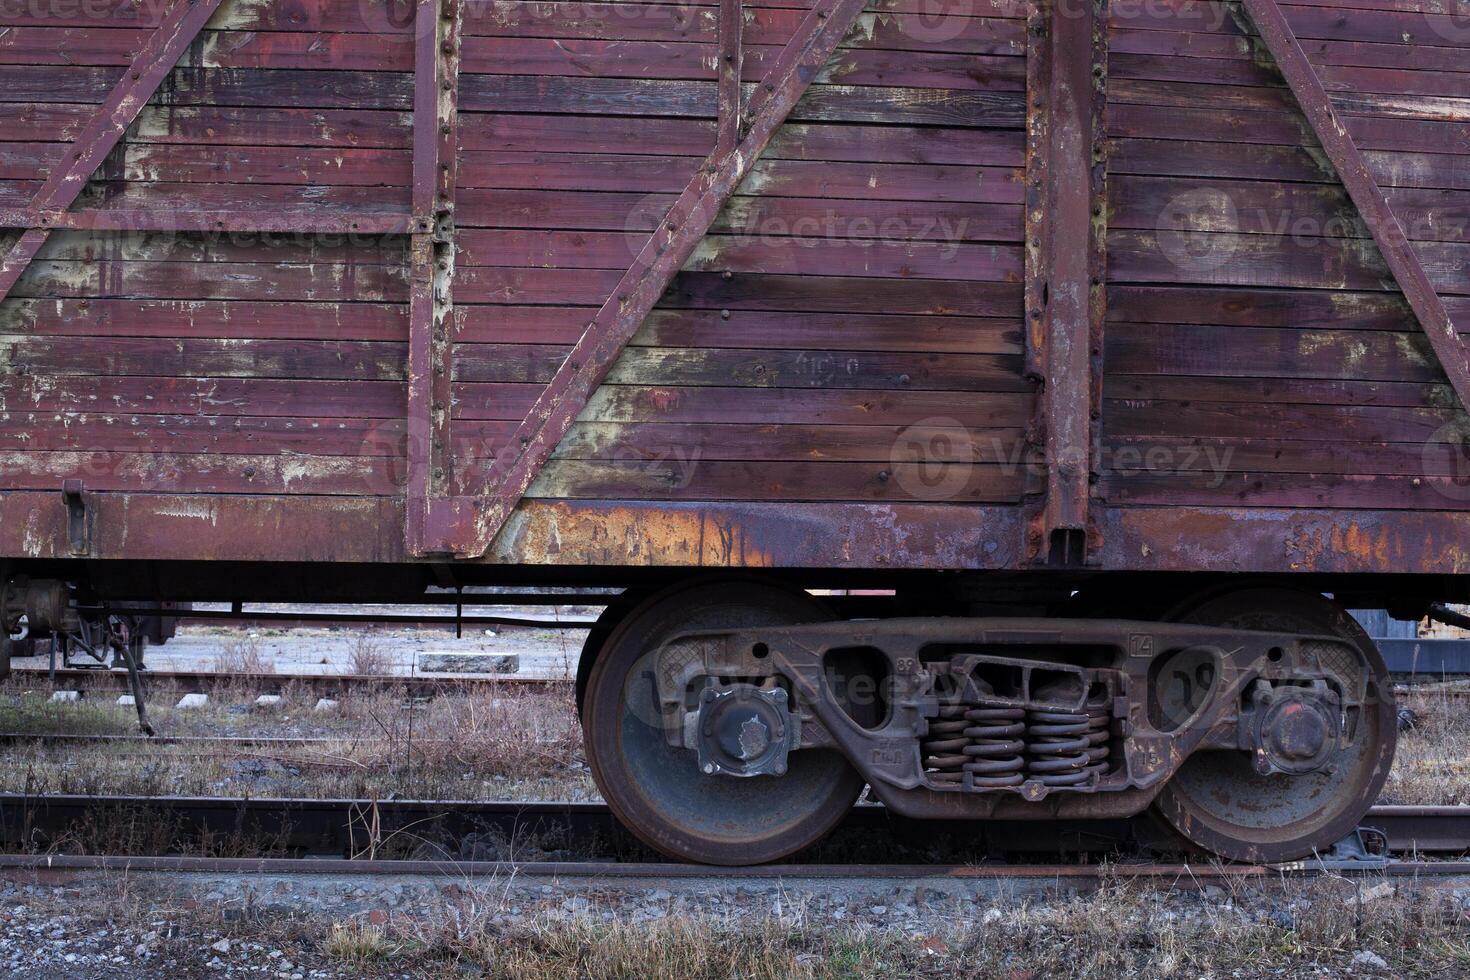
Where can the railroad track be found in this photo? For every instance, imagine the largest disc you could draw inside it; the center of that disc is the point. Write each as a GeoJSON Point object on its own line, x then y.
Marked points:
{"type": "Point", "coordinates": [77, 678]}
{"type": "Point", "coordinates": [453, 829]}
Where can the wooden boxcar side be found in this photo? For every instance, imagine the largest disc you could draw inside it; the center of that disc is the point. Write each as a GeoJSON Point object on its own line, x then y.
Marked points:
{"type": "Point", "coordinates": [210, 355]}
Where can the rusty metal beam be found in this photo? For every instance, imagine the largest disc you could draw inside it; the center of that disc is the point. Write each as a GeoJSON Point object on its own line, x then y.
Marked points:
{"type": "Point", "coordinates": [658, 261]}
{"type": "Point", "coordinates": [431, 513]}
{"type": "Point", "coordinates": [1388, 234]}
{"type": "Point", "coordinates": [1065, 195]}
{"type": "Point", "coordinates": [152, 64]}
{"type": "Point", "coordinates": [728, 68]}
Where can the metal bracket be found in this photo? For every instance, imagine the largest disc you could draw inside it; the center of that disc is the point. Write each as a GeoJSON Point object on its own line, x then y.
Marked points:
{"type": "Point", "coordinates": [78, 519]}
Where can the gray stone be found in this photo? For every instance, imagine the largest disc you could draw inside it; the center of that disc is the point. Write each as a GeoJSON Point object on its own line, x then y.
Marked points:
{"type": "Point", "coordinates": [66, 695]}
{"type": "Point", "coordinates": [195, 700]}
{"type": "Point", "coordinates": [126, 701]}
{"type": "Point", "coordinates": [445, 662]}
{"type": "Point", "coordinates": [325, 704]}
{"type": "Point", "coordinates": [268, 701]}
{"type": "Point", "coordinates": [1366, 959]}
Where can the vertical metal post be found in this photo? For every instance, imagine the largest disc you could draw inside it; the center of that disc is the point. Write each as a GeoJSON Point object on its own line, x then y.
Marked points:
{"type": "Point", "coordinates": [728, 68]}
{"type": "Point", "coordinates": [430, 316]}
{"type": "Point", "coordinates": [1065, 260]}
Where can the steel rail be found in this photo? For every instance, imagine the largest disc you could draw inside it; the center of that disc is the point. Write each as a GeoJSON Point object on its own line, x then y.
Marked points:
{"type": "Point", "coordinates": [107, 679]}
{"type": "Point", "coordinates": [1059, 874]}
{"type": "Point", "coordinates": [341, 825]}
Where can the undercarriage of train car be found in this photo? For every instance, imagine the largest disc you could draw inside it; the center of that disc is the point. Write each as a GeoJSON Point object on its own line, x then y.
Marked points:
{"type": "Point", "coordinates": [736, 721]}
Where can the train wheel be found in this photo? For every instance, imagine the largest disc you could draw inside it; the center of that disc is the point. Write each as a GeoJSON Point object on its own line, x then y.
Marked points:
{"type": "Point", "coordinates": [657, 790]}
{"type": "Point", "coordinates": [1219, 801]}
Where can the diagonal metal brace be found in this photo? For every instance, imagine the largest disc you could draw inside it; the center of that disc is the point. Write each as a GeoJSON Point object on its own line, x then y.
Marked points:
{"type": "Point", "coordinates": [102, 131]}
{"type": "Point", "coordinates": [658, 261]}
{"type": "Point", "coordinates": [1388, 233]}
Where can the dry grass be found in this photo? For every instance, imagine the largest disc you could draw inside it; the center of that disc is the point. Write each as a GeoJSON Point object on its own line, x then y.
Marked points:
{"type": "Point", "coordinates": [1432, 766]}
{"type": "Point", "coordinates": [243, 657]}
{"type": "Point", "coordinates": [368, 658]}
{"type": "Point", "coordinates": [1302, 929]}
{"type": "Point", "coordinates": [466, 743]}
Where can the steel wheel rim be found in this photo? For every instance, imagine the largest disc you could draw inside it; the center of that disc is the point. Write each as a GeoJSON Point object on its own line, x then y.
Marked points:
{"type": "Point", "coordinates": [1218, 802]}
{"type": "Point", "coordinates": [657, 792]}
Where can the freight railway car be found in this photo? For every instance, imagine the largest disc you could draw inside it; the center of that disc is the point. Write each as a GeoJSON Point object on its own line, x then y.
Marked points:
{"type": "Point", "coordinates": [1117, 343]}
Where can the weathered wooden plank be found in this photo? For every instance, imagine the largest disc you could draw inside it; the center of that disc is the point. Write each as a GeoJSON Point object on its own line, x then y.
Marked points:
{"type": "Point", "coordinates": [1326, 53]}
{"type": "Point", "coordinates": [743, 329]}
{"type": "Point", "coordinates": [1278, 163]}
{"type": "Point", "coordinates": [208, 248]}
{"type": "Point", "coordinates": [1306, 490]}
{"type": "Point", "coordinates": [1282, 391]}
{"type": "Point", "coordinates": [104, 279]}
{"type": "Point", "coordinates": [1269, 307]}
{"type": "Point", "coordinates": [660, 366]}
{"type": "Point", "coordinates": [1278, 208]}
{"type": "Point", "coordinates": [760, 406]}
{"type": "Point", "coordinates": [663, 22]}
{"type": "Point", "coordinates": [197, 434]}
{"type": "Point", "coordinates": [704, 290]}
{"type": "Point", "coordinates": [780, 178]}
{"type": "Point", "coordinates": [205, 318]}
{"type": "Point", "coordinates": [693, 444]}
{"type": "Point", "coordinates": [1318, 423]}
{"type": "Point", "coordinates": [1135, 348]}
{"type": "Point", "coordinates": [209, 357]}
{"type": "Point", "coordinates": [724, 480]}
{"type": "Point", "coordinates": [539, 133]}
{"type": "Point", "coordinates": [752, 254]}
{"type": "Point", "coordinates": [657, 97]}
{"type": "Point", "coordinates": [1246, 260]}
{"type": "Point", "coordinates": [572, 57]}
{"type": "Point", "coordinates": [233, 126]}
{"type": "Point", "coordinates": [1224, 458]}
{"type": "Point", "coordinates": [779, 217]}
{"type": "Point", "coordinates": [261, 397]}
{"type": "Point", "coordinates": [314, 166]}
{"type": "Point", "coordinates": [200, 473]}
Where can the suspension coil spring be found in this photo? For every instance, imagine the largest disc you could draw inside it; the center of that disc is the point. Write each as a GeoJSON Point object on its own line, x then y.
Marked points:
{"type": "Point", "coordinates": [1067, 747]}
{"type": "Point", "coordinates": [993, 750]}
{"type": "Point", "coordinates": [943, 748]}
